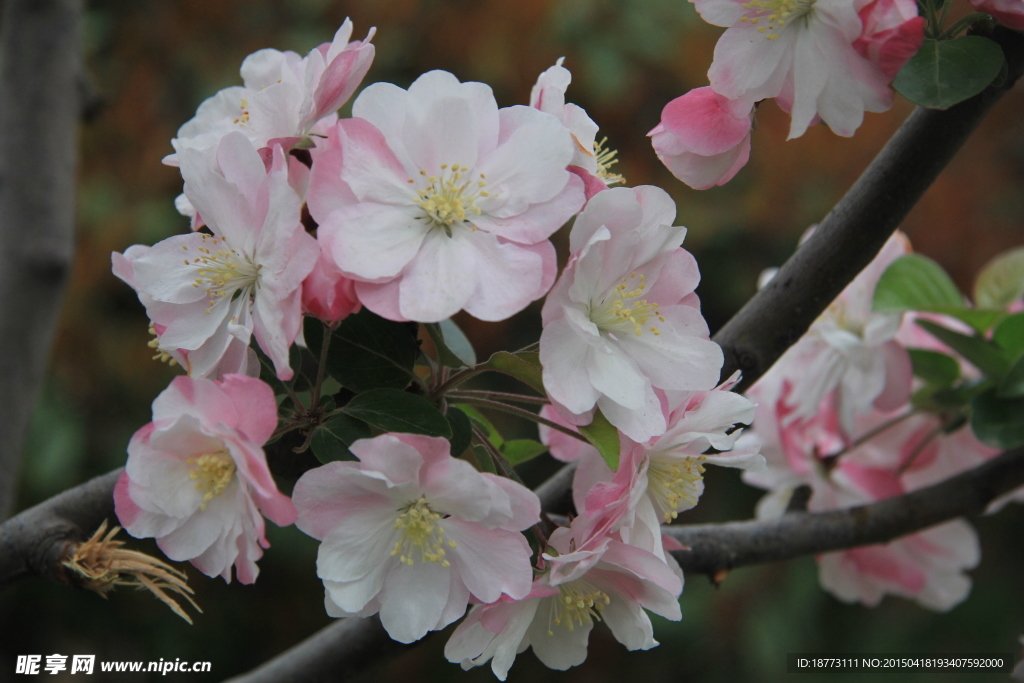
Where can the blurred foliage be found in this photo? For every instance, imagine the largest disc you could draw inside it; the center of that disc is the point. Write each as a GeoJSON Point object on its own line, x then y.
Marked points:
{"type": "Point", "coordinates": [154, 61]}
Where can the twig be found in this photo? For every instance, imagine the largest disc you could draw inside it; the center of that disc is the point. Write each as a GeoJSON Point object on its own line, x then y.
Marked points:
{"type": "Point", "coordinates": [525, 414]}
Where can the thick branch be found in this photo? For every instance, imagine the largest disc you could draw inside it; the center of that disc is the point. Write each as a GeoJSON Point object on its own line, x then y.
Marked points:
{"type": "Point", "coordinates": [41, 55]}
{"type": "Point", "coordinates": [334, 653]}
{"type": "Point", "coordinates": [714, 547]}
{"type": "Point", "coordinates": [856, 228]}
{"type": "Point", "coordinates": [35, 541]}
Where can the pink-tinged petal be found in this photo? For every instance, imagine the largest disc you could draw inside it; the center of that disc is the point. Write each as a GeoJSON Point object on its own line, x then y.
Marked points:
{"type": "Point", "coordinates": [562, 446]}
{"type": "Point", "coordinates": [529, 166]}
{"type": "Point", "coordinates": [413, 600]}
{"type": "Point", "coordinates": [441, 277]}
{"type": "Point", "coordinates": [639, 424]}
{"type": "Point", "coordinates": [255, 405]}
{"type": "Point", "coordinates": [167, 271]}
{"type": "Point", "coordinates": [444, 133]}
{"type": "Point", "coordinates": [558, 648]}
{"type": "Point", "coordinates": [326, 495]}
{"type": "Point", "coordinates": [1008, 12]}
{"type": "Point", "coordinates": [490, 561]}
{"type": "Point", "coordinates": [629, 624]}
{"type": "Point", "coordinates": [370, 167]}
{"type": "Point", "coordinates": [701, 121]}
{"type": "Point", "coordinates": [372, 241]}
{"type": "Point", "coordinates": [748, 65]}
{"type": "Point", "coordinates": [899, 375]}
{"type": "Point", "coordinates": [704, 172]}
{"type": "Point", "coordinates": [720, 12]}
{"type": "Point", "coordinates": [392, 456]}
{"type": "Point", "coordinates": [565, 367]}
{"type": "Point", "coordinates": [509, 276]}
{"type": "Point", "coordinates": [618, 208]}
{"type": "Point", "coordinates": [339, 80]}
{"type": "Point", "coordinates": [540, 220]}
{"type": "Point", "coordinates": [358, 544]}
{"type": "Point", "coordinates": [241, 165]}
{"type": "Point", "coordinates": [525, 504]}
{"type": "Point", "coordinates": [327, 191]}
{"type": "Point", "coordinates": [384, 299]}
{"type": "Point", "coordinates": [435, 86]}
{"type": "Point", "coordinates": [591, 183]}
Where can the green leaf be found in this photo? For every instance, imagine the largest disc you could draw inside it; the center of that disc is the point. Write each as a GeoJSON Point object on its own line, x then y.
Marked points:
{"type": "Point", "coordinates": [1012, 385]}
{"type": "Point", "coordinates": [915, 283]}
{"type": "Point", "coordinates": [477, 418]}
{"type": "Point", "coordinates": [453, 348]}
{"type": "Point", "coordinates": [1009, 334]}
{"type": "Point", "coordinates": [983, 354]}
{"type": "Point", "coordinates": [392, 410]}
{"type": "Point", "coordinates": [1001, 281]}
{"type": "Point", "coordinates": [369, 352]}
{"type": "Point", "coordinates": [998, 422]}
{"type": "Point", "coordinates": [981, 319]}
{"type": "Point", "coordinates": [934, 367]}
{"type": "Point", "coordinates": [462, 430]}
{"type": "Point", "coordinates": [605, 438]}
{"type": "Point", "coordinates": [332, 438]}
{"type": "Point", "coordinates": [945, 72]}
{"type": "Point", "coordinates": [483, 459]}
{"type": "Point", "coordinates": [520, 450]}
{"type": "Point", "coordinates": [525, 367]}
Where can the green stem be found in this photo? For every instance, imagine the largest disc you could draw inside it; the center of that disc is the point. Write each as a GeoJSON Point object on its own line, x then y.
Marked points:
{"type": "Point", "coordinates": [525, 414]}
{"type": "Point", "coordinates": [963, 24]}
{"type": "Point", "coordinates": [457, 379]}
{"type": "Point", "coordinates": [321, 371]}
{"type": "Point", "coordinates": [498, 395]}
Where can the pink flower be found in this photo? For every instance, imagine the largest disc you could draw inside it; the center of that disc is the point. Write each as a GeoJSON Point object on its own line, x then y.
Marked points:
{"type": "Point", "coordinates": [590, 161]}
{"type": "Point", "coordinates": [703, 137]}
{"type": "Point", "coordinates": [623, 318]}
{"type": "Point", "coordinates": [1008, 12]}
{"type": "Point", "coordinates": [439, 201]}
{"type": "Point", "coordinates": [850, 349]}
{"type": "Point", "coordinates": [197, 478]}
{"type": "Point", "coordinates": [210, 293]}
{"type": "Point", "coordinates": [927, 566]}
{"type": "Point", "coordinates": [413, 533]}
{"type": "Point", "coordinates": [892, 33]}
{"type": "Point", "coordinates": [284, 97]}
{"type": "Point", "coordinates": [594, 576]}
{"type": "Point", "coordinates": [800, 51]}
{"type": "Point", "coordinates": [327, 294]}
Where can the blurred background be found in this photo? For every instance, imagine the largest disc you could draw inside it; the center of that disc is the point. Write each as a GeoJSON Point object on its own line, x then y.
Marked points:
{"type": "Point", "coordinates": [154, 61]}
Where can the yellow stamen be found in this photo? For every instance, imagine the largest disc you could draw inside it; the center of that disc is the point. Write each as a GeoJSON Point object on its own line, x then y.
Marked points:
{"type": "Point", "coordinates": [420, 536]}
{"type": "Point", "coordinates": [450, 198]}
{"type": "Point", "coordinates": [624, 310]}
{"type": "Point", "coordinates": [212, 472]}
{"type": "Point", "coordinates": [674, 483]}
{"type": "Point", "coordinates": [606, 158]}
{"type": "Point", "coordinates": [777, 14]}
{"type": "Point", "coordinates": [578, 602]}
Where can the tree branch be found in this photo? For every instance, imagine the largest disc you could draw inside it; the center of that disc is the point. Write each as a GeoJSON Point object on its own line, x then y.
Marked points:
{"type": "Point", "coordinates": [714, 547]}
{"type": "Point", "coordinates": [856, 228]}
{"type": "Point", "coordinates": [334, 653]}
{"type": "Point", "coordinates": [41, 55]}
{"type": "Point", "coordinates": [35, 541]}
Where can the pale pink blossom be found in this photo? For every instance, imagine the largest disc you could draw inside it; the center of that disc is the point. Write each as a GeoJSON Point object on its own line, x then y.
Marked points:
{"type": "Point", "coordinates": [593, 576]}
{"type": "Point", "coordinates": [844, 470]}
{"type": "Point", "coordinates": [439, 201]}
{"type": "Point", "coordinates": [211, 292]}
{"type": "Point", "coordinates": [623, 318]}
{"type": "Point", "coordinates": [412, 533]}
{"type": "Point", "coordinates": [197, 478]}
{"type": "Point", "coordinates": [327, 294]}
{"type": "Point", "coordinates": [892, 33]}
{"type": "Point", "coordinates": [1008, 12]}
{"type": "Point", "coordinates": [851, 350]}
{"type": "Point", "coordinates": [801, 52]}
{"type": "Point", "coordinates": [284, 96]}
{"type": "Point", "coordinates": [591, 160]}
{"type": "Point", "coordinates": [703, 137]}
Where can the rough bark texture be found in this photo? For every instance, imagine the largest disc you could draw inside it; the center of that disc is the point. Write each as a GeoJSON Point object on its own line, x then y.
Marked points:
{"type": "Point", "coordinates": [34, 543]}
{"type": "Point", "coordinates": [40, 76]}
{"type": "Point", "coordinates": [714, 547]}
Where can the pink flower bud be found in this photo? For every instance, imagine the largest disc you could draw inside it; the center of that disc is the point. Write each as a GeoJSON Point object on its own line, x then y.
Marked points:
{"type": "Point", "coordinates": [892, 33]}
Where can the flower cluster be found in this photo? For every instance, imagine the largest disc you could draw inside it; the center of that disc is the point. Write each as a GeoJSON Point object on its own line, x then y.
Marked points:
{"type": "Point", "coordinates": [425, 202]}
{"type": "Point", "coordinates": [823, 61]}
{"type": "Point", "coordinates": [324, 251]}
{"type": "Point", "coordinates": [835, 415]}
